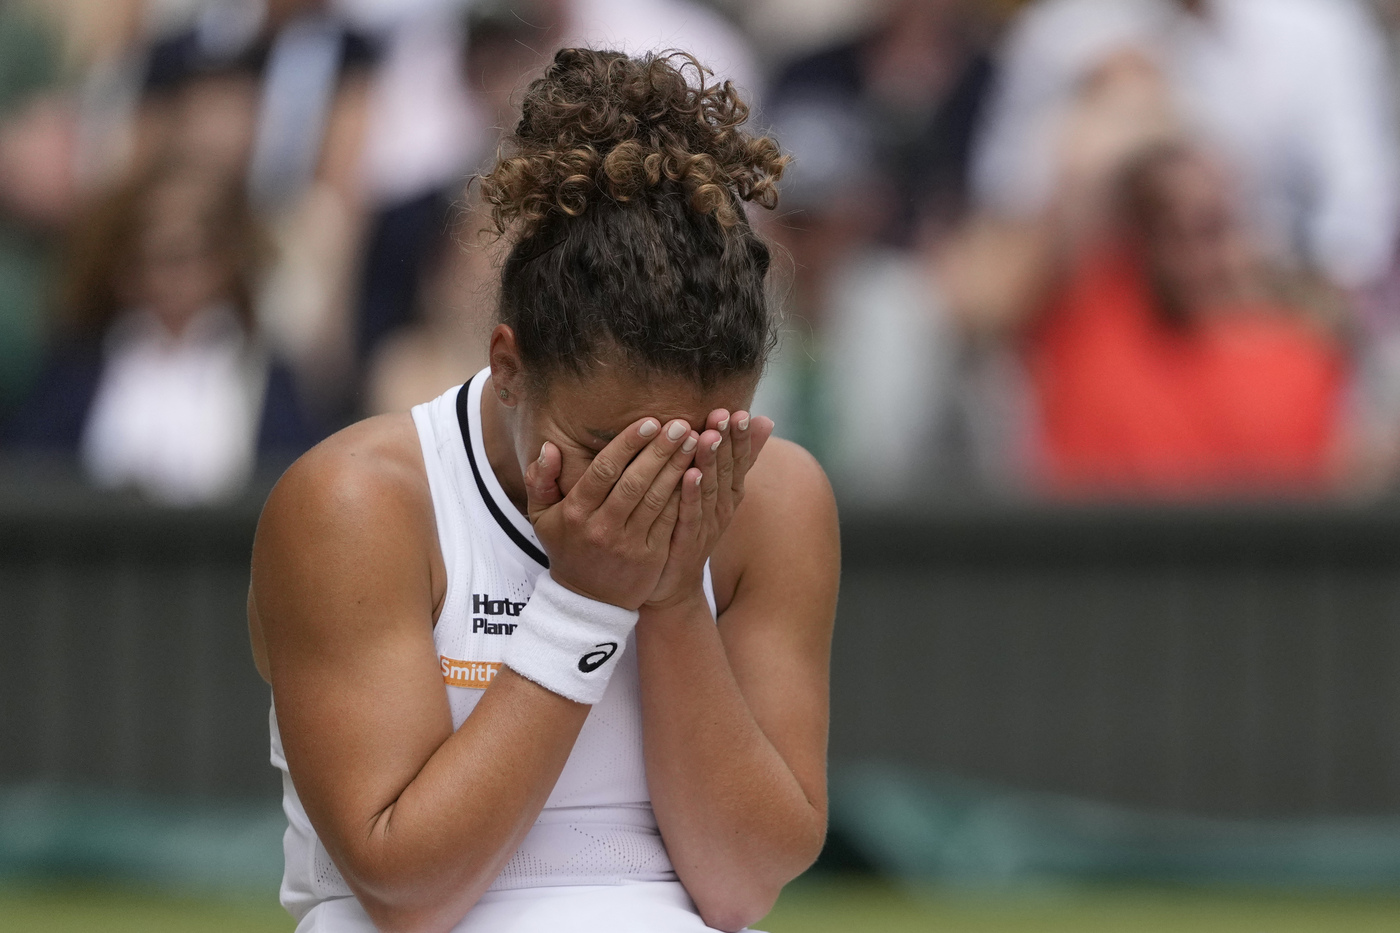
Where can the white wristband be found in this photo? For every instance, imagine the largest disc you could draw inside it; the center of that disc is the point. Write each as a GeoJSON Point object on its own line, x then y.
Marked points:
{"type": "Point", "coordinates": [568, 643]}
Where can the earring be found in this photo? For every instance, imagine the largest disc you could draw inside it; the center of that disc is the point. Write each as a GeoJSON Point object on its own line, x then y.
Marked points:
{"type": "Point", "coordinates": [505, 394]}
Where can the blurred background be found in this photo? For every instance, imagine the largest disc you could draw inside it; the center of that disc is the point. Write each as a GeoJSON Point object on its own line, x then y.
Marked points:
{"type": "Point", "coordinates": [1091, 310]}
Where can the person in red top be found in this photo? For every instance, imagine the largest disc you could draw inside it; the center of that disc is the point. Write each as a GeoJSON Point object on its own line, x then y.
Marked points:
{"type": "Point", "coordinates": [1162, 367]}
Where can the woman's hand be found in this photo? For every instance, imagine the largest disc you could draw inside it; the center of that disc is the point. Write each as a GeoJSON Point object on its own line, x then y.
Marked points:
{"type": "Point", "coordinates": [610, 537]}
{"type": "Point", "coordinates": [709, 493]}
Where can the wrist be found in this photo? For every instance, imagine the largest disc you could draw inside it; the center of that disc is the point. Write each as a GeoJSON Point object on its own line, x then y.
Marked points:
{"type": "Point", "coordinates": [567, 642]}
{"type": "Point", "coordinates": [583, 591]}
{"type": "Point", "coordinates": [687, 603]}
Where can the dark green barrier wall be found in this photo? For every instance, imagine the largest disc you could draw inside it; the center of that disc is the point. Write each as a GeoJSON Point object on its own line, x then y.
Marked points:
{"type": "Point", "coordinates": [1239, 662]}
{"type": "Point", "coordinates": [124, 659]}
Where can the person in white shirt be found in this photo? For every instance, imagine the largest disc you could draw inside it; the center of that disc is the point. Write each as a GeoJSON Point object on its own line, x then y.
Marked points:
{"type": "Point", "coordinates": [163, 385]}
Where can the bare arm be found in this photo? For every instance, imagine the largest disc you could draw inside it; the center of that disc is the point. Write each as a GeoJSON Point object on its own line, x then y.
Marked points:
{"type": "Point", "coordinates": [420, 819]}
{"type": "Point", "coordinates": [735, 715]}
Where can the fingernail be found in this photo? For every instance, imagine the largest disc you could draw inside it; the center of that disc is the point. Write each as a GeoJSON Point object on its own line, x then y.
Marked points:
{"type": "Point", "coordinates": [648, 428]}
{"type": "Point", "coordinates": [744, 423]}
{"type": "Point", "coordinates": [714, 446]}
{"type": "Point", "coordinates": [689, 444]}
{"type": "Point", "coordinates": [724, 425]}
{"type": "Point", "coordinates": [697, 480]}
{"type": "Point", "coordinates": [541, 455]}
{"type": "Point", "coordinates": [676, 429]}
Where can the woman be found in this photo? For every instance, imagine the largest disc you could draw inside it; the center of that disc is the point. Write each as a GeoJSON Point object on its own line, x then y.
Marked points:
{"type": "Point", "coordinates": [626, 586]}
{"type": "Point", "coordinates": [162, 383]}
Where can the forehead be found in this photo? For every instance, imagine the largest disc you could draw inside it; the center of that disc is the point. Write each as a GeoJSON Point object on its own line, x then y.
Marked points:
{"type": "Point", "coordinates": [607, 399]}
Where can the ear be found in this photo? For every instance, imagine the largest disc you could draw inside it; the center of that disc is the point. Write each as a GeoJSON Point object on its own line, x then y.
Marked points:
{"type": "Point", "coordinates": [507, 369]}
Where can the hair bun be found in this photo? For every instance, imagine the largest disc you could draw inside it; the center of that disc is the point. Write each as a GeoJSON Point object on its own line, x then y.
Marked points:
{"type": "Point", "coordinates": [601, 122]}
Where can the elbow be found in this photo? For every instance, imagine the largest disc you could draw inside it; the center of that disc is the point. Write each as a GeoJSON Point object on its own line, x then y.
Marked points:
{"type": "Point", "coordinates": [407, 888]}
{"type": "Point", "coordinates": [734, 913]}
{"type": "Point", "coordinates": [395, 922]}
{"type": "Point", "coordinates": [405, 917]}
{"type": "Point", "coordinates": [396, 914]}
{"type": "Point", "coordinates": [734, 902]}
{"type": "Point", "coordinates": [743, 902]}
{"type": "Point", "coordinates": [740, 902]}
{"type": "Point", "coordinates": [396, 904]}
{"type": "Point", "coordinates": [393, 918]}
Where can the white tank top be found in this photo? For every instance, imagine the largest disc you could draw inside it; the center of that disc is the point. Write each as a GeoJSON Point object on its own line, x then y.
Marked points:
{"type": "Point", "coordinates": [597, 826]}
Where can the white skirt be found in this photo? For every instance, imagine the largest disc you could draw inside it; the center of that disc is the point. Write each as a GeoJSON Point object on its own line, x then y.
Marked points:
{"type": "Point", "coordinates": [636, 907]}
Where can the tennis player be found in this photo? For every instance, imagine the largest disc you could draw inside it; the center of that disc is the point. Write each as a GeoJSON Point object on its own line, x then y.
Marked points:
{"type": "Point", "coordinates": [550, 652]}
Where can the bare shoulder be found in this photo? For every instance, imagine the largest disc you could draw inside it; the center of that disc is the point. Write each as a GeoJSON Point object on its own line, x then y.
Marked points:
{"type": "Point", "coordinates": [367, 467]}
{"type": "Point", "coordinates": [788, 479]}
{"type": "Point", "coordinates": [353, 514]}
{"type": "Point", "coordinates": [786, 532]}
{"type": "Point", "coordinates": [370, 472]}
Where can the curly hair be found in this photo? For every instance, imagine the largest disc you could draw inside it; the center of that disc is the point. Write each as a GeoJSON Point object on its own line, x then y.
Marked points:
{"type": "Point", "coordinates": [621, 193]}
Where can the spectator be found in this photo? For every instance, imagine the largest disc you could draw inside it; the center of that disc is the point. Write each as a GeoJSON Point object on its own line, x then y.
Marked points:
{"type": "Point", "coordinates": [861, 373]}
{"type": "Point", "coordinates": [493, 63]}
{"type": "Point", "coordinates": [455, 306]}
{"type": "Point", "coordinates": [1375, 454]}
{"type": "Point", "coordinates": [277, 93]}
{"type": "Point", "coordinates": [300, 67]}
{"type": "Point", "coordinates": [1163, 366]}
{"type": "Point", "coordinates": [36, 191]}
{"type": "Point", "coordinates": [919, 76]}
{"type": "Point", "coordinates": [425, 127]}
{"type": "Point", "coordinates": [105, 50]}
{"type": "Point", "coordinates": [1293, 92]}
{"type": "Point", "coordinates": [163, 385]}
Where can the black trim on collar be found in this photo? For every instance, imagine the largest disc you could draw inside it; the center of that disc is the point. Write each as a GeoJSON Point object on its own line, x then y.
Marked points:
{"type": "Point", "coordinates": [522, 542]}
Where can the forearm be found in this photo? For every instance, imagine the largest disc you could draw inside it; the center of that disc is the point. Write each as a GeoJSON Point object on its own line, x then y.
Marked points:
{"type": "Point", "coordinates": [737, 823]}
{"type": "Point", "coordinates": [424, 859]}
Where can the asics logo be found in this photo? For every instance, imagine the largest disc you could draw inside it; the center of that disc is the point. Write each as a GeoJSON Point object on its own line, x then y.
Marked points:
{"type": "Point", "coordinates": [593, 660]}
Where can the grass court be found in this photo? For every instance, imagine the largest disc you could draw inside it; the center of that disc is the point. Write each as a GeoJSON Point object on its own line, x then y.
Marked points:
{"type": "Point", "coordinates": [815, 905]}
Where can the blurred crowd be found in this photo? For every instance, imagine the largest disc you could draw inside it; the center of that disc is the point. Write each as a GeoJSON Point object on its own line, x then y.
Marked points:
{"type": "Point", "coordinates": [1060, 248]}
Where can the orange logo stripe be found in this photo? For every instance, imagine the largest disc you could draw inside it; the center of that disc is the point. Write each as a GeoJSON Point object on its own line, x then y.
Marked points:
{"type": "Point", "coordinates": [475, 674]}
